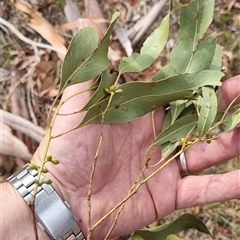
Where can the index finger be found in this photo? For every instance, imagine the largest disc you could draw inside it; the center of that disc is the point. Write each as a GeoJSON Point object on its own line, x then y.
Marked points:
{"type": "Point", "coordinates": [229, 90]}
{"type": "Point", "coordinates": [225, 147]}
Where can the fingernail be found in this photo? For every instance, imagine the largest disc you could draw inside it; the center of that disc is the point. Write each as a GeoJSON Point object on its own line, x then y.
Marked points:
{"type": "Point", "coordinates": [80, 23]}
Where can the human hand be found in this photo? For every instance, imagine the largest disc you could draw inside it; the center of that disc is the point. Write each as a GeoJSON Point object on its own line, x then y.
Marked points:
{"type": "Point", "coordinates": [121, 159]}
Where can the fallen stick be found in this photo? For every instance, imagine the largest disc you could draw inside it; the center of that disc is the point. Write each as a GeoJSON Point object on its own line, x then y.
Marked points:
{"type": "Point", "coordinates": [139, 29]}
{"type": "Point", "coordinates": [22, 125]}
{"type": "Point", "coordinates": [27, 40]}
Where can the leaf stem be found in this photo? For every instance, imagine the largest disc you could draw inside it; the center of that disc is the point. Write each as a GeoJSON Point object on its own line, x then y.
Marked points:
{"type": "Point", "coordinates": [123, 203]}
{"type": "Point", "coordinates": [134, 190]}
{"type": "Point", "coordinates": [228, 108]}
{"type": "Point", "coordinates": [89, 196]}
{"type": "Point", "coordinates": [63, 102]}
{"type": "Point", "coordinates": [40, 170]}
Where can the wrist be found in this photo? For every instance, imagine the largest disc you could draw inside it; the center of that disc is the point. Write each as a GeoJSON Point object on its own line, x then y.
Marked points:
{"type": "Point", "coordinates": [16, 219]}
{"type": "Point", "coordinates": [52, 213]}
{"type": "Point", "coordinates": [56, 174]}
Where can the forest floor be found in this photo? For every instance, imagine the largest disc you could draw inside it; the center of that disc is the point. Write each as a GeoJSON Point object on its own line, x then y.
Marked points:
{"type": "Point", "coordinates": [30, 78]}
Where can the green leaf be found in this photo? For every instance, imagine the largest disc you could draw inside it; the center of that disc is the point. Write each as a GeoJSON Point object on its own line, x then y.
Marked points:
{"type": "Point", "coordinates": [172, 237]}
{"type": "Point", "coordinates": [167, 148]}
{"type": "Point", "coordinates": [217, 59]}
{"type": "Point", "coordinates": [182, 112]}
{"type": "Point", "coordinates": [201, 59]}
{"type": "Point", "coordinates": [106, 81]}
{"type": "Point", "coordinates": [79, 50]}
{"type": "Point", "coordinates": [84, 60]}
{"type": "Point", "coordinates": [137, 237]}
{"type": "Point", "coordinates": [198, 103]}
{"type": "Point", "coordinates": [167, 120]}
{"type": "Point", "coordinates": [176, 108]}
{"type": "Point", "coordinates": [165, 72]}
{"type": "Point", "coordinates": [184, 222]}
{"type": "Point", "coordinates": [203, 54]}
{"type": "Point", "coordinates": [208, 110]}
{"type": "Point", "coordinates": [188, 110]}
{"type": "Point", "coordinates": [149, 52]}
{"type": "Point", "coordinates": [194, 21]}
{"type": "Point", "coordinates": [233, 121]}
{"type": "Point", "coordinates": [140, 98]}
{"type": "Point", "coordinates": [179, 129]}
{"type": "Point", "coordinates": [191, 53]}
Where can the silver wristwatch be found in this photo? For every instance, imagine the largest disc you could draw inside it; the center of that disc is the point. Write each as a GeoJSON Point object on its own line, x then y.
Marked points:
{"type": "Point", "coordinates": [52, 212]}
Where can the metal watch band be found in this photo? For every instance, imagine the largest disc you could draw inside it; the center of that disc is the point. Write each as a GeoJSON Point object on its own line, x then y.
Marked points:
{"type": "Point", "coordinates": [52, 212]}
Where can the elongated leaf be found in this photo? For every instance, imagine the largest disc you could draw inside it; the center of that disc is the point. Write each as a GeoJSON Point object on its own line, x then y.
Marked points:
{"type": "Point", "coordinates": [233, 121]}
{"type": "Point", "coordinates": [165, 72]}
{"type": "Point", "coordinates": [84, 60]}
{"type": "Point", "coordinates": [167, 120]}
{"type": "Point", "coordinates": [191, 53]}
{"type": "Point", "coordinates": [106, 81]}
{"type": "Point", "coordinates": [149, 52]}
{"type": "Point", "coordinates": [208, 110]}
{"type": "Point", "coordinates": [73, 58]}
{"type": "Point", "coordinates": [167, 148]}
{"type": "Point", "coordinates": [176, 108]}
{"type": "Point", "coordinates": [195, 19]}
{"type": "Point", "coordinates": [179, 129]}
{"type": "Point", "coordinates": [139, 98]}
{"type": "Point", "coordinates": [217, 59]}
{"type": "Point", "coordinates": [172, 237]}
{"type": "Point", "coordinates": [188, 110]}
{"type": "Point", "coordinates": [182, 112]}
{"type": "Point", "coordinates": [203, 54]}
{"type": "Point", "coordinates": [198, 103]}
{"type": "Point", "coordinates": [184, 222]}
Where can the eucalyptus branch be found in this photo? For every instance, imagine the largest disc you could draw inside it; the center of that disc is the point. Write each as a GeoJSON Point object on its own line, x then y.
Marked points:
{"type": "Point", "coordinates": [119, 205]}
{"type": "Point", "coordinates": [74, 95]}
{"type": "Point", "coordinates": [112, 91]}
{"type": "Point", "coordinates": [185, 145]}
{"type": "Point", "coordinates": [147, 159]}
{"type": "Point", "coordinates": [135, 187]}
{"type": "Point", "coordinates": [192, 71]}
{"type": "Point", "coordinates": [153, 124]}
{"type": "Point", "coordinates": [55, 101]}
{"type": "Point", "coordinates": [41, 169]}
{"type": "Point", "coordinates": [89, 195]}
{"type": "Point", "coordinates": [123, 203]}
{"type": "Point", "coordinates": [222, 120]}
{"type": "Point", "coordinates": [137, 184]}
{"type": "Point", "coordinates": [134, 191]}
{"type": "Point", "coordinates": [228, 108]}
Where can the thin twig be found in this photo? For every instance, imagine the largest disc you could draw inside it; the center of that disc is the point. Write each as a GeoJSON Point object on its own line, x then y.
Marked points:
{"type": "Point", "coordinates": [89, 197]}
{"type": "Point", "coordinates": [90, 230]}
{"type": "Point", "coordinates": [27, 40]}
{"type": "Point", "coordinates": [137, 182]}
{"type": "Point", "coordinates": [91, 184]}
{"type": "Point", "coordinates": [34, 221]}
{"type": "Point", "coordinates": [123, 203]}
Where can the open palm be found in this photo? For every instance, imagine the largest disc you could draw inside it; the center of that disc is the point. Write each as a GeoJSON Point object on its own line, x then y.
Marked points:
{"type": "Point", "coordinates": [120, 161]}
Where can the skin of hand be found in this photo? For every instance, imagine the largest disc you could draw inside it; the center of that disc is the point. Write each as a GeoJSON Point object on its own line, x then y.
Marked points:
{"type": "Point", "coordinates": [120, 160]}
